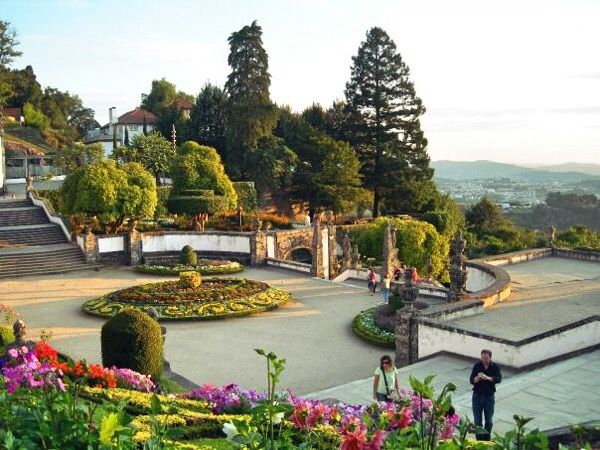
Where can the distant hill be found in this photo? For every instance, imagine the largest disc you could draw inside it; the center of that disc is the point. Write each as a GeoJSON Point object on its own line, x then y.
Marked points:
{"type": "Point", "coordinates": [590, 169]}
{"type": "Point", "coordinates": [470, 170]}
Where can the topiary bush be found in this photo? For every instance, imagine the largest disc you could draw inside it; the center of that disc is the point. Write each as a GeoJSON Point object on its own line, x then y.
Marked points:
{"type": "Point", "coordinates": [133, 340]}
{"type": "Point", "coordinates": [190, 280]}
{"type": "Point", "coordinates": [188, 256]}
{"type": "Point", "coordinates": [6, 336]}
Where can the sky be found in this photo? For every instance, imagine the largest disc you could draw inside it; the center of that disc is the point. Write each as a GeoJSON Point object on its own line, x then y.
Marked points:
{"type": "Point", "coordinates": [502, 80]}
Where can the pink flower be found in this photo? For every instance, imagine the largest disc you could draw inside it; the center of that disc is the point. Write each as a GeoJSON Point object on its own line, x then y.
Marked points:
{"type": "Point", "coordinates": [13, 353]}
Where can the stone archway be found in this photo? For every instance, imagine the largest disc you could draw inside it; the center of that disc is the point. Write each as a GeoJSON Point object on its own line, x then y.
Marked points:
{"type": "Point", "coordinates": [301, 254]}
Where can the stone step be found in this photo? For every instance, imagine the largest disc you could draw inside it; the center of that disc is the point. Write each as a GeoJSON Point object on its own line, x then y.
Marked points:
{"type": "Point", "coordinates": [5, 204]}
{"type": "Point", "coordinates": [6, 260]}
{"type": "Point", "coordinates": [64, 268]}
{"type": "Point", "coordinates": [32, 236]}
{"type": "Point", "coordinates": [22, 216]}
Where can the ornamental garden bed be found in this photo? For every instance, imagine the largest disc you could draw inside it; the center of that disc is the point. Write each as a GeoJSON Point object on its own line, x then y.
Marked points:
{"type": "Point", "coordinates": [204, 267]}
{"type": "Point", "coordinates": [214, 298]}
{"type": "Point", "coordinates": [364, 327]}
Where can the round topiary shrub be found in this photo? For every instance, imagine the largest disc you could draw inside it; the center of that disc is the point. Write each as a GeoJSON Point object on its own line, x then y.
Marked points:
{"type": "Point", "coordinates": [133, 340]}
{"type": "Point", "coordinates": [188, 256]}
{"type": "Point", "coordinates": [190, 280]}
{"type": "Point", "coordinates": [7, 336]}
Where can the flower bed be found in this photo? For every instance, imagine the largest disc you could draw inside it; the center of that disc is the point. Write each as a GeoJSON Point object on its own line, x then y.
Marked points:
{"type": "Point", "coordinates": [364, 327]}
{"type": "Point", "coordinates": [214, 299]}
{"type": "Point", "coordinates": [204, 267]}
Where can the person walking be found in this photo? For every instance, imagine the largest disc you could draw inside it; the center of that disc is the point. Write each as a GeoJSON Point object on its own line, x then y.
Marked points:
{"type": "Point", "coordinates": [372, 281]}
{"type": "Point", "coordinates": [385, 381]}
{"type": "Point", "coordinates": [484, 378]}
{"type": "Point", "coordinates": [385, 287]}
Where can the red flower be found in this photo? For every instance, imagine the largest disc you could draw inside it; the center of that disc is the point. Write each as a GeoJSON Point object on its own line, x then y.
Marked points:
{"type": "Point", "coordinates": [44, 352]}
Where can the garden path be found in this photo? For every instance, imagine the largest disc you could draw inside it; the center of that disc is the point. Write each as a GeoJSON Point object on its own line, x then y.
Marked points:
{"type": "Point", "coordinates": [313, 332]}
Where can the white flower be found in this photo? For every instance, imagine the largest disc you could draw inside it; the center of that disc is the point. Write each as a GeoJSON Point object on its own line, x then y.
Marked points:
{"type": "Point", "coordinates": [277, 418]}
{"type": "Point", "coordinates": [230, 431]}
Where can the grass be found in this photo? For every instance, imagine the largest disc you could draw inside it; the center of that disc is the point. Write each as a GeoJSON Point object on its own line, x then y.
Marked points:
{"type": "Point", "coordinates": [216, 444]}
{"type": "Point", "coordinates": [171, 387]}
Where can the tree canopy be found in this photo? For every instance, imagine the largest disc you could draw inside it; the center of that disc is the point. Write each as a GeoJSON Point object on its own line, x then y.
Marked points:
{"type": "Point", "coordinates": [383, 118]}
{"type": "Point", "coordinates": [152, 151]}
{"type": "Point", "coordinates": [110, 192]}
{"type": "Point", "coordinates": [207, 122]}
{"type": "Point", "coordinates": [8, 44]}
{"type": "Point", "coordinates": [251, 114]}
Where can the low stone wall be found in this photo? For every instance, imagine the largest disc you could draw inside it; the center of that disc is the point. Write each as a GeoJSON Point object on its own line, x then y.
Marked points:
{"type": "Point", "coordinates": [493, 283]}
{"type": "Point", "coordinates": [112, 249]}
{"type": "Point", "coordinates": [435, 338]}
{"type": "Point", "coordinates": [515, 257]}
{"type": "Point", "coordinates": [209, 241]}
{"type": "Point", "coordinates": [576, 254]}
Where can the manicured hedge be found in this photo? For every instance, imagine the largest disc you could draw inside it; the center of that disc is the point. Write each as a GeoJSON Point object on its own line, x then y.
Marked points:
{"type": "Point", "coordinates": [365, 328]}
{"type": "Point", "coordinates": [203, 269]}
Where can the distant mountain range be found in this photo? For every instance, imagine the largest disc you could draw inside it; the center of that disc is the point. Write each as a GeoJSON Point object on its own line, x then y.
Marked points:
{"type": "Point", "coordinates": [469, 170]}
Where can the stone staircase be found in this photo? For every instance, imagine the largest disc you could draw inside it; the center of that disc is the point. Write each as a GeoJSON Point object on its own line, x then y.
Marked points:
{"type": "Point", "coordinates": [31, 245]}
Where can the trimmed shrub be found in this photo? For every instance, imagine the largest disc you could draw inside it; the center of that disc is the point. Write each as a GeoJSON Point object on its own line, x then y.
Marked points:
{"type": "Point", "coordinates": [196, 204]}
{"type": "Point", "coordinates": [191, 280]}
{"type": "Point", "coordinates": [162, 195]}
{"type": "Point", "coordinates": [133, 340]}
{"type": "Point", "coordinates": [6, 336]}
{"type": "Point", "coordinates": [188, 256]}
{"type": "Point", "coordinates": [395, 302]}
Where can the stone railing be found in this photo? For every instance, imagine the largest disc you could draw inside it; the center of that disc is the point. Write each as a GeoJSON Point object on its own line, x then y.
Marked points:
{"type": "Point", "coordinates": [53, 217]}
{"type": "Point", "coordinates": [289, 265]}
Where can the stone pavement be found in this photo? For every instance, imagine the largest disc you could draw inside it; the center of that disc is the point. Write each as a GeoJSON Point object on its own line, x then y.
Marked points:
{"type": "Point", "coordinates": [556, 395]}
{"type": "Point", "coordinates": [313, 332]}
{"type": "Point", "coordinates": [554, 291]}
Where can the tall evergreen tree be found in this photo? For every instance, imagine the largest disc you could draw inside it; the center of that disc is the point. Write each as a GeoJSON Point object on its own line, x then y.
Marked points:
{"type": "Point", "coordinates": [383, 122]}
{"type": "Point", "coordinates": [251, 114]}
{"type": "Point", "coordinates": [8, 44]}
{"type": "Point", "coordinates": [207, 119]}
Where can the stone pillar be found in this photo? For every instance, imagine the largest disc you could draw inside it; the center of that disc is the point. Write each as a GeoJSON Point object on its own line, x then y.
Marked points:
{"type": "Point", "coordinates": [258, 248]}
{"type": "Point", "coordinates": [407, 336]}
{"type": "Point", "coordinates": [133, 247]}
{"type": "Point", "coordinates": [317, 269]}
{"type": "Point", "coordinates": [458, 270]}
{"type": "Point", "coordinates": [90, 248]}
{"type": "Point", "coordinates": [333, 258]}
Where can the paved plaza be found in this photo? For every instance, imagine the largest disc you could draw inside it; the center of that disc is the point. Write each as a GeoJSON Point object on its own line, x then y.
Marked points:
{"type": "Point", "coordinates": [313, 333]}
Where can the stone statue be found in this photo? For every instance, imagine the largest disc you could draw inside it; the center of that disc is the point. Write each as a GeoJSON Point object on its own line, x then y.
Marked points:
{"type": "Point", "coordinates": [428, 268]}
{"type": "Point", "coordinates": [355, 257]}
{"type": "Point", "coordinates": [410, 292]}
{"type": "Point", "coordinates": [19, 330]}
{"type": "Point", "coordinates": [257, 223]}
{"type": "Point", "coordinates": [329, 217]}
{"type": "Point", "coordinates": [552, 236]}
{"type": "Point", "coordinates": [346, 252]}
{"type": "Point", "coordinates": [390, 252]}
{"type": "Point", "coordinates": [458, 270]}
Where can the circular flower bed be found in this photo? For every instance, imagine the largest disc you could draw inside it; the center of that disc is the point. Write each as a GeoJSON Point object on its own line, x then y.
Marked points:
{"type": "Point", "coordinates": [364, 327]}
{"type": "Point", "coordinates": [215, 298]}
{"type": "Point", "coordinates": [204, 267]}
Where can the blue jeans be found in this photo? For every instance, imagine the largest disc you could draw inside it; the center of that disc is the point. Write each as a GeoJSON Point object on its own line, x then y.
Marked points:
{"type": "Point", "coordinates": [483, 405]}
{"type": "Point", "coordinates": [386, 293]}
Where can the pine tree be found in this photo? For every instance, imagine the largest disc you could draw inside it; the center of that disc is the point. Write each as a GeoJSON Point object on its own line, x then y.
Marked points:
{"type": "Point", "coordinates": [207, 118]}
{"type": "Point", "coordinates": [251, 114]}
{"type": "Point", "coordinates": [383, 122]}
{"type": "Point", "coordinates": [126, 139]}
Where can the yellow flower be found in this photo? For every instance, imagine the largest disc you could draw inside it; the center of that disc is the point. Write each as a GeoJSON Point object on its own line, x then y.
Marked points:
{"type": "Point", "coordinates": [108, 426]}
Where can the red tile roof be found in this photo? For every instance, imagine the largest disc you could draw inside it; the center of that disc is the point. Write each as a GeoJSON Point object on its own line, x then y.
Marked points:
{"type": "Point", "coordinates": [136, 117]}
{"type": "Point", "coordinates": [13, 112]}
{"type": "Point", "coordinates": [182, 104]}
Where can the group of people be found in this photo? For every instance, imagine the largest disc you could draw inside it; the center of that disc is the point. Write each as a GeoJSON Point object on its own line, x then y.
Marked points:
{"type": "Point", "coordinates": [484, 377]}
{"type": "Point", "coordinates": [397, 275]}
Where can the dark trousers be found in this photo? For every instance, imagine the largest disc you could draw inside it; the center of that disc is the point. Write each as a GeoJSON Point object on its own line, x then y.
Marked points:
{"type": "Point", "coordinates": [483, 405]}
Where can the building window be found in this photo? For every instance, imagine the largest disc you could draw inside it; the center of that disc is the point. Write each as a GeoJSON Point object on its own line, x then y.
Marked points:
{"type": "Point", "coordinates": [133, 127]}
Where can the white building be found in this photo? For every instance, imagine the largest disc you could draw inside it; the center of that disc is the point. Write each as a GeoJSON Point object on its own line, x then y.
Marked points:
{"type": "Point", "coordinates": [125, 126]}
